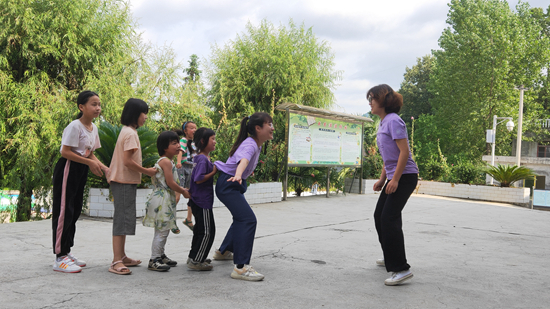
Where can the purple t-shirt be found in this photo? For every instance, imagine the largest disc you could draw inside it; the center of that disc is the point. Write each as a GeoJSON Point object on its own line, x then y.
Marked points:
{"type": "Point", "coordinates": [247, 150]}
{"type": "Point", "coordinates": [392, 127]}
{"type": "Point", "coordinates": [202, 194]}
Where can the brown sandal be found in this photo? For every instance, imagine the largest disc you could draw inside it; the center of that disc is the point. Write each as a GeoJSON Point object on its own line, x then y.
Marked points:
{"type": "Point", "coordinates": [132, 262]}
{"type": "Point", "coordinates": [122, 270]}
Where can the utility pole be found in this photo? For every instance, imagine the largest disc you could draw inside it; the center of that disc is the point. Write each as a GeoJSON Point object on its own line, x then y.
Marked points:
{"type": "Point", "coordinates": [520, 122]}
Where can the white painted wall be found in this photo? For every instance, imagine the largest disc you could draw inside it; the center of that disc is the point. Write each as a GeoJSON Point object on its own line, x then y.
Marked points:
{"type": "Point", "coordinates": [100, 205]}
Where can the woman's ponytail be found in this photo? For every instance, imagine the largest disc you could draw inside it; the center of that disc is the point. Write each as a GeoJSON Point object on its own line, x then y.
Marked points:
{"type": "Point", "coordinates": [248, 126]}
{"type": "Point", "coordinates": [243, 134]}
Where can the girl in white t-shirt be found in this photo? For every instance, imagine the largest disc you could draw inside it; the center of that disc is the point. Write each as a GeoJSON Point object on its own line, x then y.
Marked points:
{"type": "Point", "coordinates": [80, 139]}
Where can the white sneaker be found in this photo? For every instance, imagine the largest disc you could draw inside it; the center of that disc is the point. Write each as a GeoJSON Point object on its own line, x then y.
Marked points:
{"type": "Point", "coordinates": [66, 265]}
{"type": "Point", "coordinates": [75, 260]}
{"type": "Point", "coordinates": [380, 262]}
{"type": "Point", "coordinates": [399, 277]}
{"type": "Point", "coordinates": [228, 255]}
{"type": "Point", "coordinates": [246, 273]}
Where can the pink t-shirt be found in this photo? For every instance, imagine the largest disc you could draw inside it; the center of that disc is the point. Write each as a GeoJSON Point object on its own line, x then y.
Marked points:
{"type": "Point", "coordinates": [128, 139]}
{"type": "Point", "coordinates": [392, 127]}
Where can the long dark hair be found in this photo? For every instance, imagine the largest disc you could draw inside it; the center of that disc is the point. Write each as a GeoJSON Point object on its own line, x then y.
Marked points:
{"type": "Point", "coordinates": [83, 98]}
{"type": "Point", "coordinates": [248, 126]}
{"type": "Point", "coordinates": [202, 136]}
{"type": "Point", "coordinates": [189, 141]}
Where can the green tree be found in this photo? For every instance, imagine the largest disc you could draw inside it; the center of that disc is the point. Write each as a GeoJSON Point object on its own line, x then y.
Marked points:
{"type": "Point", "coordinates": [193, 72]}
{"type": "Point", "coordinates": [485, 53]}
{"type": "Point", "coordinates": [49, 50]}
{"type": "Point", "coordinates": [266, 66]}
{"type": "Point", "coordinates": [542, 87]}
{"type": "Point", "coordinates": [415, 89]}
{"type": "Point", "coordinates": [261, 68]}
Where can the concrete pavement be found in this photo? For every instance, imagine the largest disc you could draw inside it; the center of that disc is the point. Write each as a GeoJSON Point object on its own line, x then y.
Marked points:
{"type": "Point", "coordinates": [315, 253]}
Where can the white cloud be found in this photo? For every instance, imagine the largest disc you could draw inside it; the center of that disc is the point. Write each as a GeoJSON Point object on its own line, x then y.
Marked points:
{"type": "Point", "coordinates": [373, 41]}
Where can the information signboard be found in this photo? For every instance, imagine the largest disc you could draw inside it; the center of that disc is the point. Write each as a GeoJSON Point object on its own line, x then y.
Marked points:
{"type": "Point", "coordinates": [323, 141]}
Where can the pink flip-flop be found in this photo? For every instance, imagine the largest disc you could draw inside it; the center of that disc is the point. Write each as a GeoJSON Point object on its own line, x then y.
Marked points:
{"type": "Point", "coordinates": [122, 270]}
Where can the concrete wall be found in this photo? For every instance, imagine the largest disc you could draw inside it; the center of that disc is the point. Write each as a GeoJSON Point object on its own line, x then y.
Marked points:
{"type": "Point", "coordinates": [367, 186]}
{"type": "Point", "coordinates": [517, 196]}
{"type": "Point", "coordinates": [99, 203]}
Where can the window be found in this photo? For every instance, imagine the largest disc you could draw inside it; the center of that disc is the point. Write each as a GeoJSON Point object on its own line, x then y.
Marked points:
{"type": "Point", "coordinates": [543, 151]}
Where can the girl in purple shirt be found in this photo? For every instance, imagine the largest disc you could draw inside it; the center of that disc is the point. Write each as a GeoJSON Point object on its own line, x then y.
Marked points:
{"type": "Point", "coordinates": [230, 189]}
{"type": "Point", "coordinates": [401, 173]}
{"type": "Point", "coordinates": [202, 199]}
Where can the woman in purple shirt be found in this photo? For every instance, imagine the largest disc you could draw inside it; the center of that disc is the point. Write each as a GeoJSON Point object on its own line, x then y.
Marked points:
{"type": "Point", "coordinates": [401, 173]}
{"type": "Point", "coordinates": [230, 188]}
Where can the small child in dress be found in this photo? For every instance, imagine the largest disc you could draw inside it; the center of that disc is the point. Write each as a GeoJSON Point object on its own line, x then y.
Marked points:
{"type": "Point", "coordinates": [161, 206]}
{"type": "Point", "coordinates": [202, 200]}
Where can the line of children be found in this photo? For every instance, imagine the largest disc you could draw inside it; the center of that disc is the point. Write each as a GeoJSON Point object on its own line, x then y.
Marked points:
{"type": "Point", "coordinates": [184, 163]}
{"type": "Point", "coordinates": [80, 139]}
{"type": "Point", "coordinates": [161, 206]}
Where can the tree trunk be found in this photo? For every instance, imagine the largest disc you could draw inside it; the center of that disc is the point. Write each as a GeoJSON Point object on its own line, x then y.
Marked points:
{"type": "Point", "coordinates": [24, 203]}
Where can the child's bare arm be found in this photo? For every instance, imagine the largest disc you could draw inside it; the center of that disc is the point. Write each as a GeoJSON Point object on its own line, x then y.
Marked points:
{"type": "Point", "coordinates": [178, 160]}
{"type": "Point", "coordinates": [166, 166]}
{"type": "Point", "coordinates": [133, 165]}
{"type": "Point", "coordinates": [95, 166]}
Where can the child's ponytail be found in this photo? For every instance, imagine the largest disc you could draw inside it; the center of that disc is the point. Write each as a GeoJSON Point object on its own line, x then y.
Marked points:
{"type": "Point", "coordinates": [248, 126]}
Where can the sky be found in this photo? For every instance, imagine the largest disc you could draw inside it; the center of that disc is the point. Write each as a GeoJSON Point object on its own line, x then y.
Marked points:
{"type": "Point", "coordinates": [373, 41]}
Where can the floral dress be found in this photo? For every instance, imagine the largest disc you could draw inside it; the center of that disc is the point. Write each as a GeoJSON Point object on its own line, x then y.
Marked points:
{"type": "Point", "coordinates": [161, 205]}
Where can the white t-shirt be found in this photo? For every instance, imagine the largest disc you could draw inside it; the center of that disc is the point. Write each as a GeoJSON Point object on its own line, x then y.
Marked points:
{"type": "Point", "coordinates": [81, 140]}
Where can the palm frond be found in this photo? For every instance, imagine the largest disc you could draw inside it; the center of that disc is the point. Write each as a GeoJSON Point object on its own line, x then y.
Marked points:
{"type": "Point", "coordinates": [507, 175]}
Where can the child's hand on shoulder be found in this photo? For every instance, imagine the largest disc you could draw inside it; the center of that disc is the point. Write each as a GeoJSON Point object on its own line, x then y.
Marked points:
{"type": "Point", "coordinates": [215, 169]}
{"type": "Point", "coordinates": [151, 171]}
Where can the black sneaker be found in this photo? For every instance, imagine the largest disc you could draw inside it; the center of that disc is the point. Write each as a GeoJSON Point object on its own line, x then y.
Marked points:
{"type": "Point", "coordinates": [166, 260]}
{"type": "Point", "coordinates": [158, 265]}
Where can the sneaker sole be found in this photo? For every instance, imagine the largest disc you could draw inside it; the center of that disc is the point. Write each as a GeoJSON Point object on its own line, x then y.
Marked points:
{"type": "Point", "coordinates": [156, 269]}
{"type": "Point", "coordinates": [246, 278]}
{"type": "Point", "coordinates": [68, 272]}
{"type": "Point", "coordinates": [222, 258]}
{"type": "Point", "coordinates": [398, 282]}
{"type": "Point", "coordinates": [200, 269]}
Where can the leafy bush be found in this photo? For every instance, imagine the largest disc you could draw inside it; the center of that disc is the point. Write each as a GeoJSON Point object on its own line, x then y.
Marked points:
{"type": "Point", "coordinates": [507, 175]}
{"type": "Point", "coordinates": [467, 172]}
{"type": "Point", "coordinates": [372, 165]}
{"type": "Point", "coordinates": [434, 169]}
{"type": "Point", "coordinates": [108, 135]}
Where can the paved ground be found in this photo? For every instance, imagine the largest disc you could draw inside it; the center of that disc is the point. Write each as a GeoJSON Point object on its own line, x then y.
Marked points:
{"type": "Point", "coordinates": [315, 253]}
